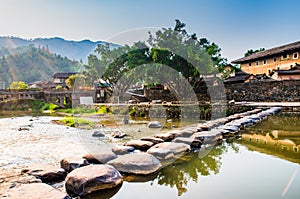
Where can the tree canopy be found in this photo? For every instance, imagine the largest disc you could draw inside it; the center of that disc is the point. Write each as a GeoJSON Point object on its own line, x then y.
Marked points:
{"type": "Point", "coordinates": [251, 51]}
{"type": "Point", "coordinates": [175, 48]}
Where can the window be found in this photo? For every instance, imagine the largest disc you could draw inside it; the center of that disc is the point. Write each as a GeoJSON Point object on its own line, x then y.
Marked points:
{"type": "Point", "coordinates": [250, 64]}
{"type": "Point", "coordinates": [295, 56]}
{"type": "Point", "coordinates": [275, 59]}
{"type": "Point", "coordinates": [265, 61]}
{"type": "Point", "coordinates": [285, 56]}
{"type": "Point", "coordinates": [257, 63]}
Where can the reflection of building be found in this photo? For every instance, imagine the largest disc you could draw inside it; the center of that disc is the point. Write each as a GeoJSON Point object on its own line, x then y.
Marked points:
{"type": "Point", "coordinates": [285, 149]}
{"type": "Point", "coordinates": [265, 62]}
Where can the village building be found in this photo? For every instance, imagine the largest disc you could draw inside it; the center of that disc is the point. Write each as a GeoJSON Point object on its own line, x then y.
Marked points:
{"type": "Point", "coordinates": [60, 78]}
{"type": "Point", "coordinates": [272, 60]}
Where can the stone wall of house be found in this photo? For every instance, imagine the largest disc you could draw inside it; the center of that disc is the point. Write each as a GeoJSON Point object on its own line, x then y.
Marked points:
{"type": "Point", "coordinates": [274, 91]}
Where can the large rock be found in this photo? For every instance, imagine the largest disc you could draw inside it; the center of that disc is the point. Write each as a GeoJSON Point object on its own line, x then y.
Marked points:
{"type": "Point", "coordinates": [35, 191]}
{"type": "Point", "coordinates": [161, 154]}
{"type": "Point", "coordinates": [46, 173]}
{"type": "Point", "coordinates": [140, 144]}
{"type": "Point", "coordinates": [194, 143]}
{"type": "Point", "coordinates": [98, 134]}
{"type": "Point", "coordinates": [91, 178]}
{"type": "Point", "coordinates": [154, 124]}
{"type": "Point", "coordinates": [69, 164]}
{"type": "Point", "coordinates": [137, 163]}
{"type": "Point", "coordinates": [122, 150]}
{"type": "Point", "coordinates": [100, 157]}
{"type": "Point", "coordinates": [176, 148]}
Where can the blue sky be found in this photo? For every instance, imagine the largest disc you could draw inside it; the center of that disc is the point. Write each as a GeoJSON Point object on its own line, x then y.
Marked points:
{"type": "Point", "coordinates": [235, 25]}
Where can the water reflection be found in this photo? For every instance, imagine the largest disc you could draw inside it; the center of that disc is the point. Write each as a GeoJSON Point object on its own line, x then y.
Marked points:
{"type": "Point", "coordinates": [277, 136]}
{"type": "Point", "coordinates": [190, 167]}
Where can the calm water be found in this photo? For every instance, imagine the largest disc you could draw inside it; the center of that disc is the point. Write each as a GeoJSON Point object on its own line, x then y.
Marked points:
{"type": "Point", "coordinates": [264, 163]}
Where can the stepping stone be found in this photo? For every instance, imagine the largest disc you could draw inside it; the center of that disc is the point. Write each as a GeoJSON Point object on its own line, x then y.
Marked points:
{"type": "Point", "coordinates": [154, 140]}
{"type": "Point", "coordinates": [136, 163]}
{"type": "Point", "coordinates": [69, 164]}
{"type": "Point", "coordinates": [176, 148]}
{"type": "Point", "coordinates": [194, 143]}
{"type": "Point", "coordinates": [165, 136]}
{"type": "Point", "coordinates": [122, 150]}
{"type": "Point", "coordinates": [140, 144]}
{"type": "Point", "coordinates": [91, 178]}
{"type": "Point", "coordinates": [100, 157]}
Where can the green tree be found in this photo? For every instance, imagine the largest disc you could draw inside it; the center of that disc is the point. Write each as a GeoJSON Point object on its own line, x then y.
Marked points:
{"type": "Point", "coordinates": [18, 85]}
{"type": "Point", "coordinates": [71, 80]}
{"type": "Point", "coordinates": [251, 51]}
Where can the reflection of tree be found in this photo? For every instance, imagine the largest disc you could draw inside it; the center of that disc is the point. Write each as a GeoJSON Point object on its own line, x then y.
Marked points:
{"type": "Point", "coordinates": [181, 172]}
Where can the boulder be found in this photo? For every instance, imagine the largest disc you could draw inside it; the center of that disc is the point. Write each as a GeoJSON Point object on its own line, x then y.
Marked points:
{"type": "Point", "coordinates": [69, 164]}
{"type": "Point", "coordinates": [154, 140]}
{"type": "Point", "coordinates": [176, 148]}
{"type": "Point", "coordinates": [140, 144]}
{"type": "Point", "coordinates": [46, 173]}
{"type": "Point", "coordinates": [208, 137]}
{"type": "Point", "coordinates": [98, 134]}
{"type": "Point", "coordinates": [122, 150]}
{"type": "Point", "coordinates": [165, 136]}
{"type": "Point", "coordinates": [35, 191]}
{"type": "Point", "coordinates": [154, 124]}
{"type": "Point", "coordinates": [136, 163]}
{"type": "Point", "coordinates": [100, 157]}
{"type": "Point", "coordinates": [91, 178]}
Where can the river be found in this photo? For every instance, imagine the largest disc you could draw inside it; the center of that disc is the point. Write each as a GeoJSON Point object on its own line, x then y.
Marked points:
{"type": "Point", "coordinates": [264, 163]}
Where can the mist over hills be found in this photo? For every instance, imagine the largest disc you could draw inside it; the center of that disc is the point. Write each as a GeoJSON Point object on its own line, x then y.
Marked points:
{"type": "Point", "coordinates": [74, 50]}
{"type": "Point", "coordinates": [30, 64]}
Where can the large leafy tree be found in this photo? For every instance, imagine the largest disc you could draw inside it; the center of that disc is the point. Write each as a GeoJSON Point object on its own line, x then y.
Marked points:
{"type": "Point", "coordinates": [189, 56]}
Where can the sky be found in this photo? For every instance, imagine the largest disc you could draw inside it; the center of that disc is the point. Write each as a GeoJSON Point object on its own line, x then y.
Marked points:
{"type": "Point", "coordinates": [234, 25]}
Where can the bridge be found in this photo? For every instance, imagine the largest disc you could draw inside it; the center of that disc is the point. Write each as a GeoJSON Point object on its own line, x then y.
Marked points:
{"type": "Point", "coordinates": [60, 98]}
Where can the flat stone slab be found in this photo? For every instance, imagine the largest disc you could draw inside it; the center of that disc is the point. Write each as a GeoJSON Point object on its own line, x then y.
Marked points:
{"type": "Point", "coordinates": [100, 157]}
{"type": "Point", "coordinates": [91, 178]}
{"type": "Point", "coordinates": [140, 144]}
{"type": "Point", "coordinates": [35, 191]}
{"type": "Point", "coordinates": [165, 136]}
{"type": "Point", "coordinates": [176, 148]}
{"type": "Point", "coordinates": [161, 154]}
{"type": "Point", "coordinates": [122, 150]}
{"type": "Point", "coordinates": [194, 143]}
{"type": "Point", "coordinates": [154, 140]}
{"type": "Point", "coordinates": [136, 163]}
{"type": "Point", "coordinates": [46, 173]}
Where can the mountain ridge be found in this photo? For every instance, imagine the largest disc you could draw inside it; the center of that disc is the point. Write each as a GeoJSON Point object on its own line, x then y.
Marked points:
{"type": "Point", "coordinates": [76, 50]}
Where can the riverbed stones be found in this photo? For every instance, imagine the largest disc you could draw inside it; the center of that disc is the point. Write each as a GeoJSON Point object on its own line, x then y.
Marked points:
{"type": "Point", "coordinates": [69, 164]}
{"type": "Point", "coordinates": [137, 163]}
{"type": "Point", "coordinates": [118, 134]}
{"type": "Point", "coordinates": [122, 150]}
{"type": "Point", "coordinates": [176, 148]}
{"type": "Point", "coordinates": [154, 140]}
{"type": "Point", "coordinates": [154, 124]}
{"type": "Point", "coordinates": [46, 173]}
{"type": "Point", "coordinates": [194, 143]}
{"type": "Point", "coordinates": [34, 191]}
{"type": "Point", "coordinates": [140, 144]}
{"type": "Point", "coordinates": [100, 157]}
{"type": "Point", "coordinates": [98, 134]}
{"type": "Point", "coordinates": [208, 137]}
{"type": "Point", "coordinates": [91, 178]}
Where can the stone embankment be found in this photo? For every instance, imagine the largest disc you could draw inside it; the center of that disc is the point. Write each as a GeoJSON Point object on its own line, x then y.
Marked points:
{"type": "Point", "coordinates": [103, 170]}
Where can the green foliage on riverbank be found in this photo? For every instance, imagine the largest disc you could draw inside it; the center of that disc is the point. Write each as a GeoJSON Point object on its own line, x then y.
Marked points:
{"type": "Point", "coordinates": [76, 122]}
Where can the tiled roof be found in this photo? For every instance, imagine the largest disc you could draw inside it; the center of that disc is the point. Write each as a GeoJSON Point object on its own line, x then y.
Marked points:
{"type": "Point", "coordinates": [270, 52]}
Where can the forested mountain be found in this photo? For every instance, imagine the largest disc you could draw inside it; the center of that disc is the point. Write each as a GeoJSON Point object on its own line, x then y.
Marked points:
{"type": "Point", "coordinates": [77, 50]}
{"type": "Point", "coordinates": [29, 64]}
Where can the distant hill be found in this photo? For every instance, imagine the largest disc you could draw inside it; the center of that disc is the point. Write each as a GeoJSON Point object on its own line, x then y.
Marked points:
{"type": "Point", "coordinates": [29, 64]}
{"type": "Point", "coordinates": [77, 50]}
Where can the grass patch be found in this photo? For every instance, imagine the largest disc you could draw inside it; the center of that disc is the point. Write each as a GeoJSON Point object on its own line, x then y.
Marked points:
{"type": "Point", "coordinates": [75, 122]}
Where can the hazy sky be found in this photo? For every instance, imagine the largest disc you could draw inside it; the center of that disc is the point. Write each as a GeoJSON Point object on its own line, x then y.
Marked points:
{"type": "Point", "coordinates": [235, 25]}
